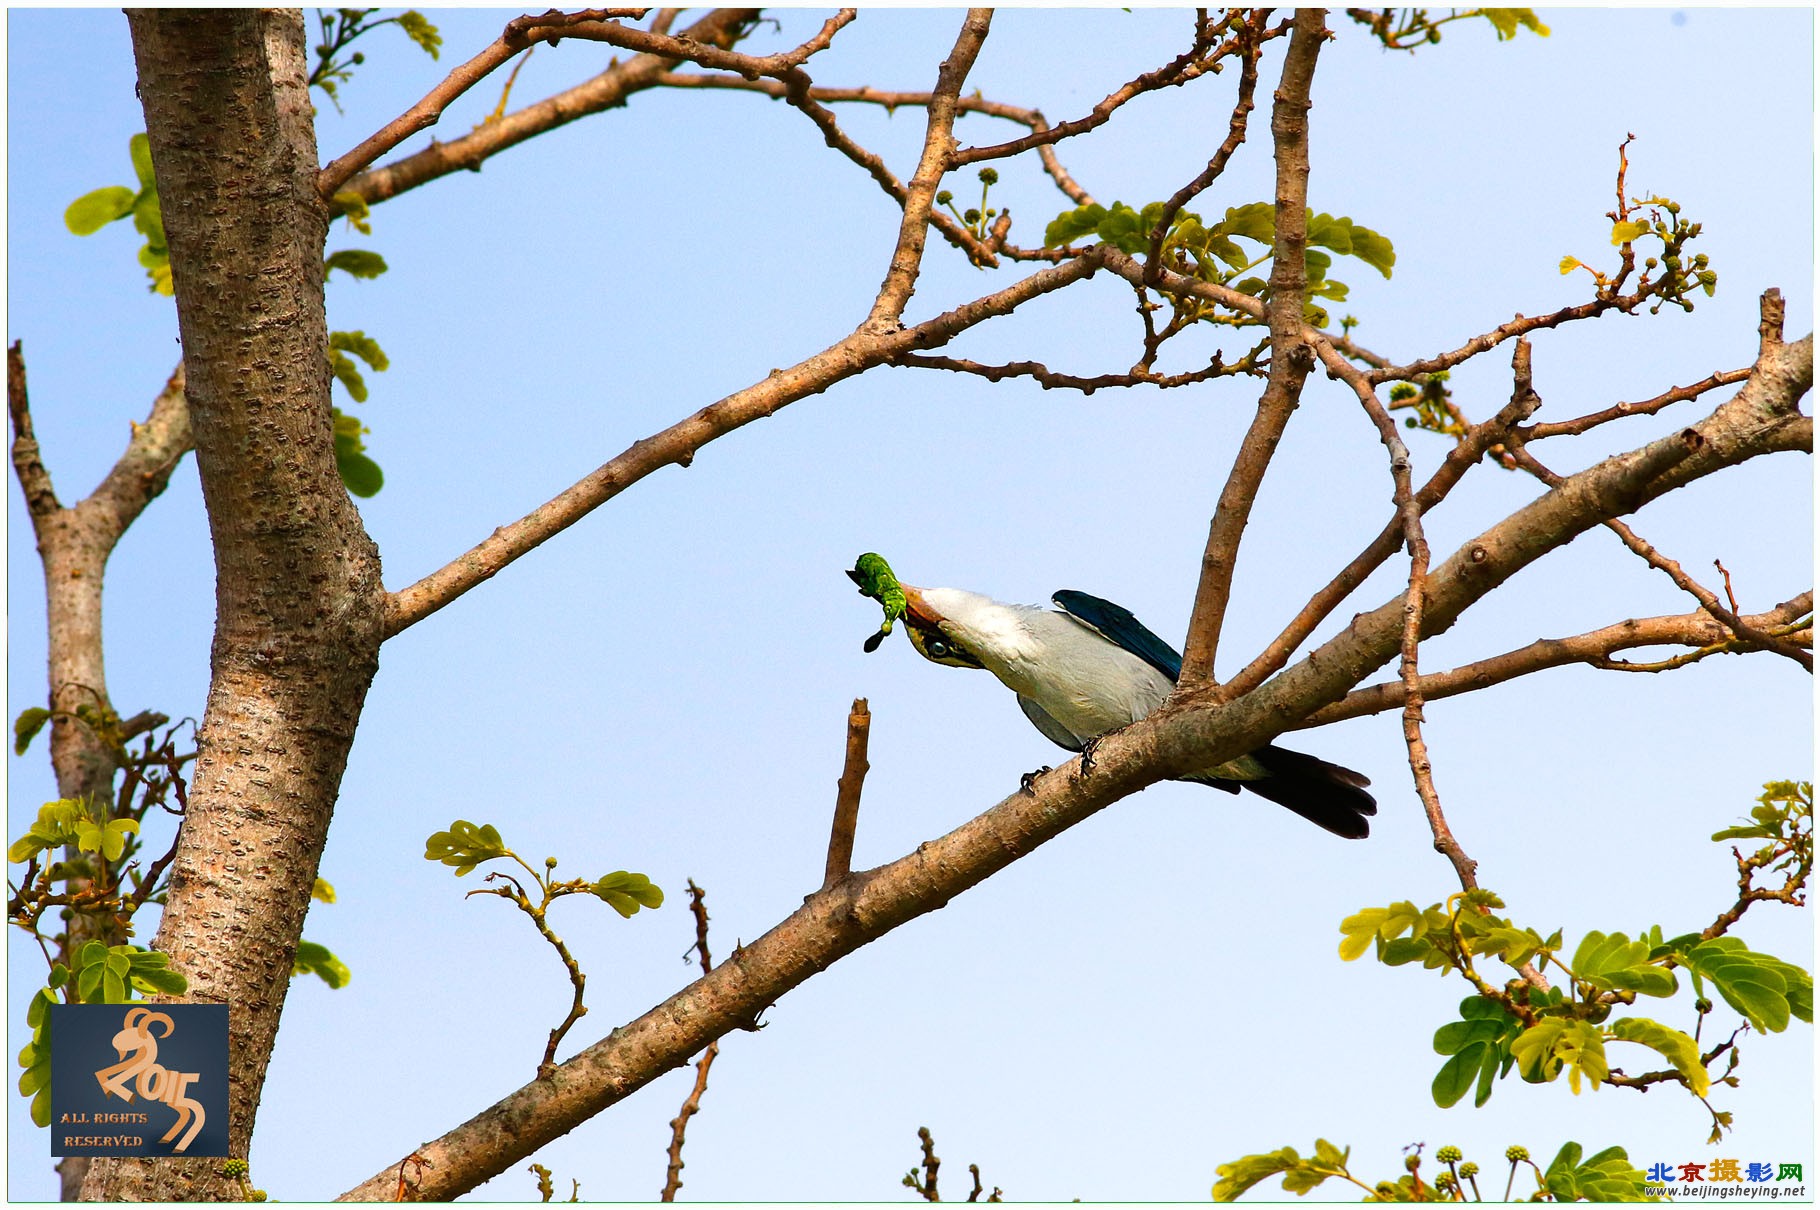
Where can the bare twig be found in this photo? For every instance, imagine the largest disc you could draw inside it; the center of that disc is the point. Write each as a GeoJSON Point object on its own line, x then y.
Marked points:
{"type": "Point", "coordinates": [932, 1166]}
{"type": "Point", "coordinates": [846, 800]}
{"type": "Point", "coordinates": [40, 497]}
{"type": "Point", "coordinates": [1290, 360]}
{"type": "Point", "coordinates": [1249, 40]}
{"type": "Point", "coordinates": [520, 34]}
{"type": "Point", "coordinates": [1050, 379]}
{"type": "Point", "coordinates": [691, 1106]}
{"type": "Point", "coordinates": [1618, 411]}
{"type": "Point", "coordinates": [1674, 571]}
{"type": "Point", "coordinates": [1596, 647]}
{"type": "Point", "coordinates": [719, 27]}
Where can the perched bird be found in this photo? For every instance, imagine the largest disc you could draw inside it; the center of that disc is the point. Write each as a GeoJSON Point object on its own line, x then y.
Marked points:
{"type": "Point", "coordinates": [1090, 668]}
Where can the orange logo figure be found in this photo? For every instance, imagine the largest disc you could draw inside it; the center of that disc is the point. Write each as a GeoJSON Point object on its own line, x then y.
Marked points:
{"type": "Point", "coordinates": [149, 1080]}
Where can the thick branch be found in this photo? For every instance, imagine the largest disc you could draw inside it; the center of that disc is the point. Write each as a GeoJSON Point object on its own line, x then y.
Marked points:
{"type": "Point", "coordinates": [1178, 739]}
{"type": "Point", "coordinates": [937, 157]}
{"type": "Point", "coordinates": [677, 444]}
{"type": "Point", "coordinates": [1290, 359]}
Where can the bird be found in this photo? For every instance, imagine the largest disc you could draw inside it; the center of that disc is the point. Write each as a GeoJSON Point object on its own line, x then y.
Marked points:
{"type": "Point", "coordinates": [1088, 667]}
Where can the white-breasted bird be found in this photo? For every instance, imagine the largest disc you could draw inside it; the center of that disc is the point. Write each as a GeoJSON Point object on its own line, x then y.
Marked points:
{"type": "Point", "coordinates": [1089, 667]}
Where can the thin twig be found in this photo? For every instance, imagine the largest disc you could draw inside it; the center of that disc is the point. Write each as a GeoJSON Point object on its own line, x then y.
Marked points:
{"type": "Point", "coordinates": [846, 799]}
{"type": "Point", "coordinates": [1674, 571]}
{"type": "Point", "coordinates": [1049, 379]}
{"type": "Point", "coordinates": [40, 497]}
{"type": "Point", "coordinates": [427, 112]}
{"type": "Point", "coordinates": [691, 1106]}
{"type": "Point", "coordinates": [1595, 647]}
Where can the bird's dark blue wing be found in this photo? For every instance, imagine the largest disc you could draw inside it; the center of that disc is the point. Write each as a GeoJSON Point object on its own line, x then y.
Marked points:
{"type": "Point", "coordinates": [1117, 624]}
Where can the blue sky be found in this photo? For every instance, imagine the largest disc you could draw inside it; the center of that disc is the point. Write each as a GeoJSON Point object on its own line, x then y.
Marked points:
{"type": "Point", "coordinates": [664, 687]}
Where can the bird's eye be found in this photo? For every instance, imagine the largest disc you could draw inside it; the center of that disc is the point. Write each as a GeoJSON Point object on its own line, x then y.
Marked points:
{"type": "Point", "coordinates": [937, 648]}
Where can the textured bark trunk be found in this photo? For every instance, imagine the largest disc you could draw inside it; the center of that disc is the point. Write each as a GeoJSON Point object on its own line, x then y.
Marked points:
{"type": "Point", "coordinates": [299, 602]}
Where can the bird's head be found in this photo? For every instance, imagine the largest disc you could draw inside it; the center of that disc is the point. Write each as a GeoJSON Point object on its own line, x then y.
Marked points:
{"type": "Point", "coordinates": [948, 625]}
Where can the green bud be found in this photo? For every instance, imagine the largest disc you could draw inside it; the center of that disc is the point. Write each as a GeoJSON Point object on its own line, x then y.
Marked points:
{"type": "Point", "coordinates": [1468, 1170]}
{"type": "Point", "coordinates": [971, 216]}
{"type": "Point", "coordinates": [943, 198]}
{"type": "Point", "coordinates": [989, 176]}
{"type": "Point", "coordinates": [1516, 1155]}
{"type": "Point", "coordinates": [1448, 1155]}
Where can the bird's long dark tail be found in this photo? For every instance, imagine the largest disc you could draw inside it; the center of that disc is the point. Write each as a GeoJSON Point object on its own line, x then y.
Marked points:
{"type": "Point", "coordinates": [1320, 791]}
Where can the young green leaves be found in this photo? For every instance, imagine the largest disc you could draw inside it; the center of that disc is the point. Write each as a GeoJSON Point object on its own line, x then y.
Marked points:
{"type": "Point", "coordinates": [1214, 252]}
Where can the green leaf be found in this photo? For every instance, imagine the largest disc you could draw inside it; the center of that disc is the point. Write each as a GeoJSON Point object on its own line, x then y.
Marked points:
{"type": "Point", "coordinates": [31, 720]}
{"type": "Point", "coordinates": [1606, 1177]}
{"type": "Point", "coordinates": [1373, 249]}
{"type": "Point", "coordinates": [357, 262]}
{"type": "Point", "coordinates": [1071, 225]}
{"type": "Point", "coordinates": [349, 375]}
{"type": "Point", "coordinates": [1243, 1173]}
{"type": "Point", "coordinates": [139, 147]}
{"type": "Point", "coordinates": [1682, 1052]}
{"type": "Point", "coordinates": [1624, 232]}
{"type": "Point", "coordinates": [1254, 221]}
{"type": "Point", "coordinates": [1756, 985]}
{"type": "Point", "coordinates": [93, 211]}
{"type": "Point", "coordinates": [1459, 1074]}
{"type": "Point", "coordinates": [360, 474]}
{"type": "Point", "coordinates": [625, 892]}
{"type": "Point", "coordinates": [148, 219]}
{"type": "Point", "coordinates": [160, 982]}
{"type": "Point", "coordinates": [422, 32]}
{"type": "Point", "coordinates": [314, 959]}
{"type": "Point", "coordinates": [465, 845]}
{"type": "Point", "coordinates": [322, 891]}
{"type": "Point", "coordinates": [1614, 962]}
{"type": "Point", "coordinates": [362, 346]}
{"type": "Point", "coordinates": [355, 209]}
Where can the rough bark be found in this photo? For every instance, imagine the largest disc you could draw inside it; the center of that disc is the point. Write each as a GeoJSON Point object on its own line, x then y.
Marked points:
{"type": "Point", "coordinates": [298, 593]}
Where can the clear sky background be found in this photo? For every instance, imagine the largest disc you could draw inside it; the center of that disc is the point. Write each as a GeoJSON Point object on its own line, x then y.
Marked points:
{"type": "Point", "coordinates": [664, 687]}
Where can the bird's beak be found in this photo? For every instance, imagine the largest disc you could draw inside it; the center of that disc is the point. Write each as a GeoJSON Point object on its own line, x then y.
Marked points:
{"type": "Point", "coordinates": [917, 610]}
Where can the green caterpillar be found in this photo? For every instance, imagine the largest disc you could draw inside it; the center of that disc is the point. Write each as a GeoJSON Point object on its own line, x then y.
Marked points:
{"type": "Point", "coordinates": [875, 580]}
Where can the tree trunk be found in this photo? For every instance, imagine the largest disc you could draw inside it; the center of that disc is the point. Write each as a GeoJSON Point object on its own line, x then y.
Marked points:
{"type": "Point", "coordinates": [298, 592]}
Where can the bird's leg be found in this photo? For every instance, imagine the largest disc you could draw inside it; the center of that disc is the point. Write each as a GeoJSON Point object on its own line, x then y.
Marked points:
{"type": "Point", "coordinates": [1087, 753]}
{"type": "Point", "coordinates": [1027, 783]}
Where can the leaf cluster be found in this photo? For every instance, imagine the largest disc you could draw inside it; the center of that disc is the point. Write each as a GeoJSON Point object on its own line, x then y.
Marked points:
{"type": "Point", "coordinates": [465, 846]}
{"type": "Point", "coordinates": [340, 27]}
{"type": "Point", "coordinates": [1607, 1176]}
{"type": "Point", "coordinates": [1669, 275]}
{"type": "Point", "coordinates": [98, 974]}
{"type": "Point", "coordinates": [1229, 252]}
{"type": "Point", "coordinates": [1542, 1032]}
{"type": "Point", "coordinates": [1409, 28]}
{"type": "Point", "coordinates": [95, 210]}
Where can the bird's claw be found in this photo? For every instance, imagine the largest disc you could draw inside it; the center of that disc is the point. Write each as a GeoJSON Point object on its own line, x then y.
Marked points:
{"type": "Point", "coordinates": [1087, 754]}
{"type": "Point", "coordinates": [1027, 783]}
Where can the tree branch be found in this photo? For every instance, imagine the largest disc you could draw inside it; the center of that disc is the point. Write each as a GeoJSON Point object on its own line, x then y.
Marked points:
{"type": "Point", "coordinates": [1179, 738]}
{"type": "Point", "coordinates": [691, 1105]}
{"type": "Point", "coordinates": [719, 28]}
{"type": "Point", "coordinates": [846, 800]}
{"type": "Point", "coordinates": [427, 112]}
{"type": "Point", "coordinates": [937, 157]}
{"type": "Point", "coordinates": [1290, 360]}
{"type": "Point", "coordinates": [678, 444]}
